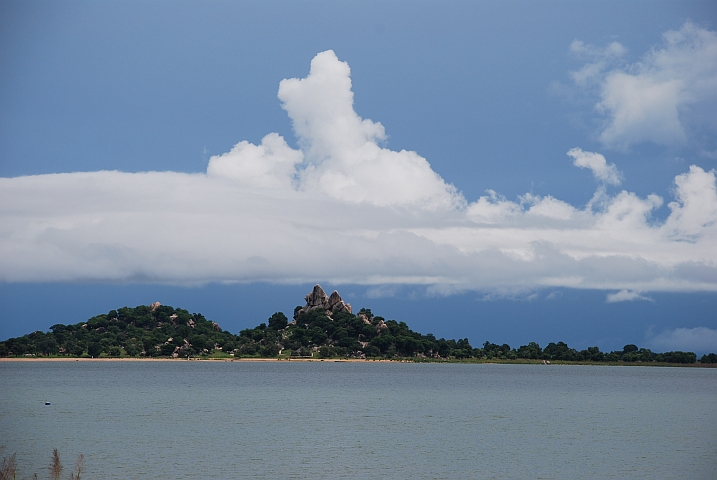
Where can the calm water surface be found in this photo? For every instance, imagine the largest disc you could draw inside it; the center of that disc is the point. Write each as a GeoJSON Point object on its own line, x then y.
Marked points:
{"type": "Point", "coordinates": [216, 420]}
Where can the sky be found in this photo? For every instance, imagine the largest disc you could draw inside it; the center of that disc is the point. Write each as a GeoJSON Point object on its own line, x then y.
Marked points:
{"type": "Point", "coordinates": [504, 171]}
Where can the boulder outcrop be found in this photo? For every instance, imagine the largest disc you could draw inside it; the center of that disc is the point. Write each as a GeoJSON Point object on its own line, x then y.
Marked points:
{"type": "Point", "coordinates": [318, 300]}
{"type": "Point", "coordinates": [380, 327]}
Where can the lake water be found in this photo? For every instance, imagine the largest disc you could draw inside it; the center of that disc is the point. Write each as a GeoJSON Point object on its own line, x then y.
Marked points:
{"type": "Point", "coordinates": [181, 420]}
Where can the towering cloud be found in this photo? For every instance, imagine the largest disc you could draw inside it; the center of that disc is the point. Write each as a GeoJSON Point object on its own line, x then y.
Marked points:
{"type": "Point", "coordinates": [345, 208]}
{"type": "Point", "coordinates": [343, 159]}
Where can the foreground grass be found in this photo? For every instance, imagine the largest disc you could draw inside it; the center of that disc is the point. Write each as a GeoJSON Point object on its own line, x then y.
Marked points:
{"type": "Point", "coordinates": [8, 467]}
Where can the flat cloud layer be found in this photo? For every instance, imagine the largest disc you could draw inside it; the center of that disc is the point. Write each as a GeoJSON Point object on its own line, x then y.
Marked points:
{"type": "Point", "coordinates": [345, 209]}
{"type": "Point", "coordinates": [698, 339]}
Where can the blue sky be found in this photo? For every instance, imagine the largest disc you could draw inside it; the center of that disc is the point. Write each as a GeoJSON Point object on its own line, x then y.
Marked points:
{"type": "Point", "coordinates": [505, 171]}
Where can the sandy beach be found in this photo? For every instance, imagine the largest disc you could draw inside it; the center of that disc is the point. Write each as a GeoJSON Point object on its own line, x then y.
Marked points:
{"type": "Point", "coordinates": [128, 359]}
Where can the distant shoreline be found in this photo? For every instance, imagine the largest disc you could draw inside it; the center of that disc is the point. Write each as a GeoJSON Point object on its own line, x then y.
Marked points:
{"type": "Point", "coordinates": [354, 360]}
{"type": "Point", "coordinates": [164, 359]}
{"type": "Point", "coordinates": [323, 330]}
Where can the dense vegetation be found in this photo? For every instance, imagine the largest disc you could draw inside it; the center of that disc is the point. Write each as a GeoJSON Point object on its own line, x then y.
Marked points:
{"type": "Point", "coordinates": [141, 331]}
{"type": "Point", "coordinates": [163, 331]}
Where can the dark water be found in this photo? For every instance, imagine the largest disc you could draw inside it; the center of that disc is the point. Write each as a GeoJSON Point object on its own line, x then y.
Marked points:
{"type": "Point", "coordinates": [179, 420]}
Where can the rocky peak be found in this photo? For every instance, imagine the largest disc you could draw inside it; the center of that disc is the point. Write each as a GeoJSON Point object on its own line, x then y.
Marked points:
{"type": "Point", "coordinates": [318, 299]}
{"type": "Point", "coordinates": [338, 305]}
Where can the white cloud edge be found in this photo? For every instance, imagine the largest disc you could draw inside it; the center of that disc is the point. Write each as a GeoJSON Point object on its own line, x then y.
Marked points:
{"type": "Point", "coordinates": [698, 339]}
{"type": "Point", "coordinates": [604, 172]}
{"type": "Point", "coordinates": [626, 295]}
{"type": "Point", "coordinates": [652, 100]}
{"type": "Point", "coordinates": [346, 210]}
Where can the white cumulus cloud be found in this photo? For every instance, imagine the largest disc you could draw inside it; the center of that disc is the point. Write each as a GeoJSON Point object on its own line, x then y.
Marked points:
{"type": "Point", "coordinates": [604, 172]}
{"type": "Point", "coordinates": [657, 98]}
{"type": "Point", "coordinates": [625, 295]}
{"type": "Point", "coordinates": [344, 208]}
{"type": "Point", "coordinates": [696, 207]}
{"type": "Point", "coordinates": [344, 158]}
{"type": "Point", "coordinates": [269, 165]}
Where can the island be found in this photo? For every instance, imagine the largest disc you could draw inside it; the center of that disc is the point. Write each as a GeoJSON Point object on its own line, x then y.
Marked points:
{"type": "Point", "coordinates": [324, 328]}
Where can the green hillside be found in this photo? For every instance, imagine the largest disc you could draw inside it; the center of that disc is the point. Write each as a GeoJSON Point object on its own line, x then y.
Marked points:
{"type": "Point", "coordinates": [165, 331]}
{"type": "Point", "coordinates": [324, 328]}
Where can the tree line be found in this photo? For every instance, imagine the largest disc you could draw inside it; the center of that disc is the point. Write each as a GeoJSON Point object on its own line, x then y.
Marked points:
{"type": "Point", "coordinates": [163, 331]}
{"type": "Point", "coordinates": [147, 331]}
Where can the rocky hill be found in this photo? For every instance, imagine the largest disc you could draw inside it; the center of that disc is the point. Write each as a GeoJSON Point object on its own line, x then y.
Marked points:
{"type": "Point", "coordinates": [324, 327]}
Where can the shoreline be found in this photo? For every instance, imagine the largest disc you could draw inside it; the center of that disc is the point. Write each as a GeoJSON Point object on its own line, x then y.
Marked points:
{"type": "Point", "coordinates": [349, 360]}
{"type": "Point", "coordinates": [164, 359]}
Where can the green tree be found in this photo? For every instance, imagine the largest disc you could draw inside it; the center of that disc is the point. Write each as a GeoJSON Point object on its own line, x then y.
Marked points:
{"type": "Point", "coordinates": [268, 351]}
{"type": "Point", "coordinates": [372, 351]}
{"type": "Point", "coordinates": [133, 347]}
{"type": "Point", "coordinates": [531, 350]}
{"type": "Point", "coordinates": [48, 346]}
{"type": "Point", "coordinates": [709, 358]}
{"type": "Point", "coordinates": [278, 321]}
{"type": "Point", "coordinates": [679, 357]}
{"type": "Point", "coordinates": [94, 349]}
{"type": "Point", "coordinates": [77, 350]}
{"type": "Point", "coordinates": [167, 349]}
